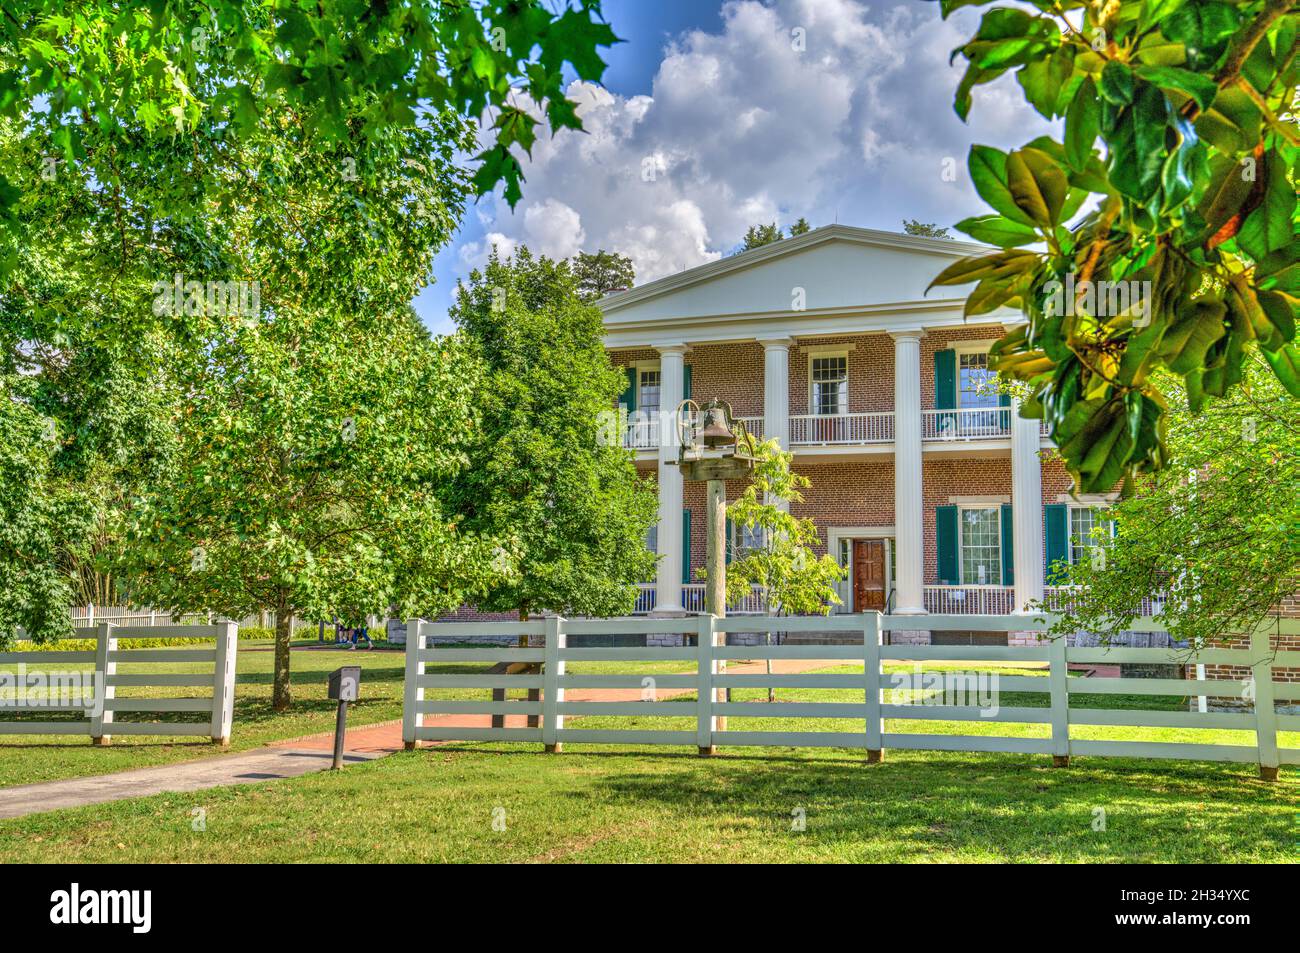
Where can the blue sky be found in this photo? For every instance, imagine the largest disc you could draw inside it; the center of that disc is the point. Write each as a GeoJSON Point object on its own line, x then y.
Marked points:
{"type": "Point", "coordinates": [714, 116]}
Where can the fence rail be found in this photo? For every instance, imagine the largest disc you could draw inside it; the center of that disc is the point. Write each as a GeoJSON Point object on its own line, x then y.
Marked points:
{"type": "Point", "coordinates": [36, 681]}
{"type": "Point", "coordinates": [547, 717]}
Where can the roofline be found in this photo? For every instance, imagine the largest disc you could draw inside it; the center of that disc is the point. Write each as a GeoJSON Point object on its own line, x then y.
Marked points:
{"type": "Point", "coordinates": [943, 247]}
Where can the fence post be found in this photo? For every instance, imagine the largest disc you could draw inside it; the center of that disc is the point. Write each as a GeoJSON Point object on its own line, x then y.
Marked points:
{"type": "Point", "coordinates": [1058, 677]}
{"type": "Point", "coordinates": [705, 670]}
{"type": "Point", "coordinates": [1265, 710]}
{"type": "Point", "coordinates": [412, 718]}
{"type": "Point", "coordinates": [871, 672]}
{"type": "Point", "coordinates": [223, 684]}
{"type": "Point", "coordinates": [105, 642]}
{"type": "Point", "coordinates": [552, 693]}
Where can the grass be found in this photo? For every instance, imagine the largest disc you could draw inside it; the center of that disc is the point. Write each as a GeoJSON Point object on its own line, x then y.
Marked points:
{"type": "Point", "coordinates": [600, 804]}
{"type": "Point", "coordinates": [605, 803]}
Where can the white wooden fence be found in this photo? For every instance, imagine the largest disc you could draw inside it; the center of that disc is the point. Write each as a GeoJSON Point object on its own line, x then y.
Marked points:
{"type": "Point", "coordinates": [864, 721]}
{"type": "Point", "coordinates": [50, 670]}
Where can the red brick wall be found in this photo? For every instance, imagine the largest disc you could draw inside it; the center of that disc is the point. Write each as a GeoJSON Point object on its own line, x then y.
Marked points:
{"type": "Point", "coordinates": [730, 372]}
{"type": "Point", "coordinates": [870, 365]}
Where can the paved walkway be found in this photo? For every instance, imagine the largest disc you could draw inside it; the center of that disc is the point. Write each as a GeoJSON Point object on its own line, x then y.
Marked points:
{"type": "Point", "coordinates": [293, 757]}
{"type": "Point", "coordinates": [253, 767]}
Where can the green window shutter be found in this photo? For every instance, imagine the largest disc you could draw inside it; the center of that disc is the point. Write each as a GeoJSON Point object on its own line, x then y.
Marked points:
{"type": "Point", "coordinates": [1008, 553]}
{"type": "Point", "coordinates": [686, 546]}
{"type": "Point", "coordinates": [727, 541]}
{"type": "Point", "coordinates": [1004, 418]}
{"type": "Point", "coordinates": [945, 379]}
{"type": "Point", "coordinates": [628, 397]}
{"type": "Point", "coordinates": [1056, 537]}
{"type": "Point", "coordinates": [945, 537]}
{"type": "Point", "coordinates": [686, 382]}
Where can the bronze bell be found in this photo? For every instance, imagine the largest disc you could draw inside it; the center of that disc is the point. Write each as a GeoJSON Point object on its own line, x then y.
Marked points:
{"type": "Point", "coordinates": [717, 425]}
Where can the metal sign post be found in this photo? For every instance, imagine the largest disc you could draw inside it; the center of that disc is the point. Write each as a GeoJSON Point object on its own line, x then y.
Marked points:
{"type": "Point", "coordinates": [344, 685]}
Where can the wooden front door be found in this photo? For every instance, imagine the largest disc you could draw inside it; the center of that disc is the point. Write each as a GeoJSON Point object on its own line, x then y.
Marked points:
{"type": "Point", "coordinates": [868, 575]}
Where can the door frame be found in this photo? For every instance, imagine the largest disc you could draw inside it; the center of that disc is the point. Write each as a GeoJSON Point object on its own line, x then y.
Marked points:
{"type": "Point", "coordinates": [835, 534]}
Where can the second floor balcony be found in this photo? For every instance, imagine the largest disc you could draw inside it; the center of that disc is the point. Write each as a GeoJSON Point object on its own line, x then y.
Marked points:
{"type": "Point", "coordinates": [964, 425]}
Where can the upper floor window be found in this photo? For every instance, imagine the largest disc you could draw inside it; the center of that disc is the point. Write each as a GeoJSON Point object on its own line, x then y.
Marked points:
{"type": "Point", "coordinates": [981, 545]}
{"type": "Point", "coordinates": [975, 382]}
{"type": "Point", "coordinates": [647, 398]}
{"type": "Point", "coordinates": [829, 377]}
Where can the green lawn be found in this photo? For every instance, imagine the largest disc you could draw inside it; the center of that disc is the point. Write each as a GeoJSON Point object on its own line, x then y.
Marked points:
{"type": "Point", "coordinates": [601, 804]}
{"type": "Point", "coordinates": [597, 803]}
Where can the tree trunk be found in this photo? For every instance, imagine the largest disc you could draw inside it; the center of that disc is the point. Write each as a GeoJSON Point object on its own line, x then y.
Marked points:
{"type": "Point", "coordinates": [282, 694]}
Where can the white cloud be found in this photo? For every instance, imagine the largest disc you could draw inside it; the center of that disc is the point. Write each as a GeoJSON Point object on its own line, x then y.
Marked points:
{"type": "Point", "coordinates": [743, 127]}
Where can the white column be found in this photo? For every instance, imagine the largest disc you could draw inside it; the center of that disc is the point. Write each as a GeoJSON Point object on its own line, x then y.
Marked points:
{"type": "Point", "coordinates": [909, 533]}
{"type": "Point", "coordinates": [776, 395]}
{"type": "Point", "coordinates": [776, 390]}
{"type": "Point", "coordinates": [1026, 509]}
{"type": "Point", "coordinates": [668, 580]}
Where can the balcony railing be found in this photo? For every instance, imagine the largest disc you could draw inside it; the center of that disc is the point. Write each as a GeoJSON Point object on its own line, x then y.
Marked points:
{"type": "Point", "coordinates": [642, 434]}
{"type": "Point", "coordinates": [845, 429]}
{"type": "Point", "coordinates": [969, 600]}
{"type": "Point", "coordinates": [811, 429]}
{"type": "Point", "coordinates": [965, 424]}
{"type": "Point", "coordinates": [693, 600]}
{"type": "Point", "coordinates": [1058, 598]}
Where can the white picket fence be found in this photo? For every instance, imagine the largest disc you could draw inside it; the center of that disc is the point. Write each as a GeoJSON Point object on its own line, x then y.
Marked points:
{"type": "Point", "coordinates": [50, 669]}
{"type": "Point", "coordinates": [865, 720]}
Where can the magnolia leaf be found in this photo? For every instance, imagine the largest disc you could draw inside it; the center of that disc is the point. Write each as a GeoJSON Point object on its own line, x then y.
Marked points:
{"type": "Point", "coordinates": [998, 230]}
{"type": "Point", "coordinates": [978, 267]}
{"type": "Point", "coordinates": [988, 171]}
{"type": "Point", "coordinates": [1285, 362]}
{"type": "Point", "coordinates": [1037, 185]}
{"type": "Point", "coordinates": [1082, 124]}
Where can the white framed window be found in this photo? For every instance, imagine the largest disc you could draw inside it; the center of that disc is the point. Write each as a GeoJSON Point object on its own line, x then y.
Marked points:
{"type": "Point", "coordinates": [976, 387]}
{"type": "Point", "coordinates": [828, 382]}
{"type": "Point", "coordinates": [980, 545]}
{"type": "Point", "coordinates": [649, 389]}
{"type": "Point", "coordinates": [1084, 519]}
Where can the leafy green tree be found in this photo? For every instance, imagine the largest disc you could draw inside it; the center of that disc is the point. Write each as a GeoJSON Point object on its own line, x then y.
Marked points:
{"type": "Point", "coordinates": [312, 452]}
{"type": "Point", "coordinates": [759, 235]}
{"type": "Point", "coordinates": [36, 592]}
{"type": "Point", "coordinates": [600, 273]}
{"type": "Point", "coordinates": [800, 227]}
{"type": "Point", "coordinates": [111, 304]}
{"type": "Point", "coordinates": [1215, 531]}
{"type": "Point", "coordinates": [924, 229]}
{"type": "Point", "coordinates": [541, 472]}
{"type": "Point", "coordinates": [796, 580]}
{"type": "Point", "coordinates": [1189, 259]}
{"type": "Point", "coordinates": [154, 71]}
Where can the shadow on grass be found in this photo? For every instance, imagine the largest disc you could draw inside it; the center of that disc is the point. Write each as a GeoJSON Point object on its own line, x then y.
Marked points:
{"type": "Point", "coordinates": [928, 805]}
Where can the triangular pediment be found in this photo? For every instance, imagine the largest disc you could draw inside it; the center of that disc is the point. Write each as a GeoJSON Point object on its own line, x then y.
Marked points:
{"type": "Point", "coordinates": [832, 269]}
